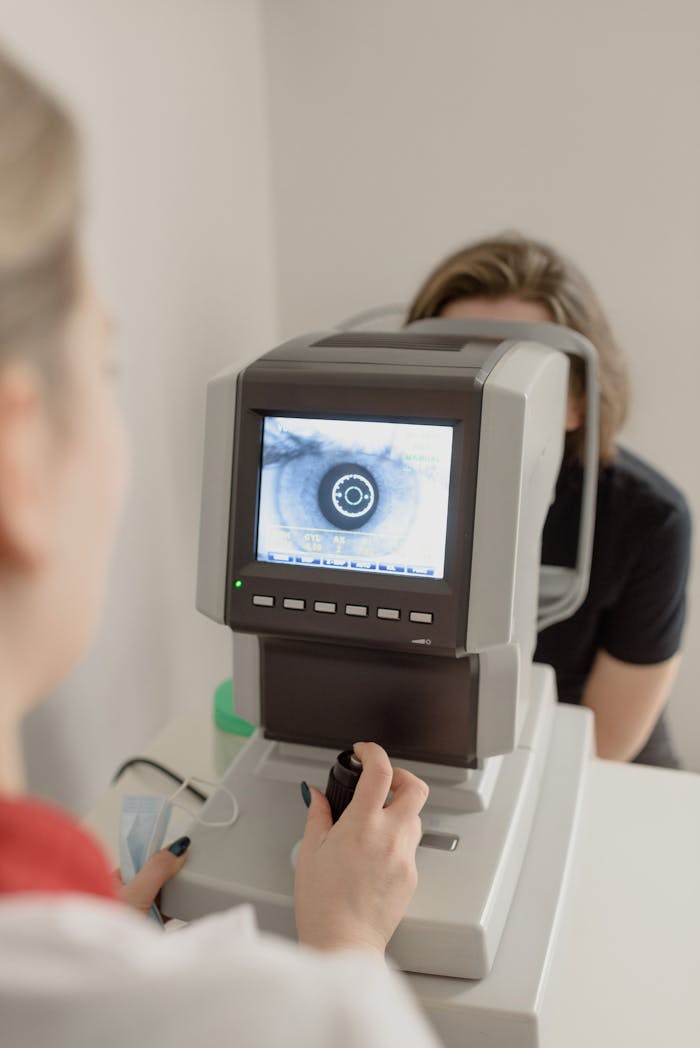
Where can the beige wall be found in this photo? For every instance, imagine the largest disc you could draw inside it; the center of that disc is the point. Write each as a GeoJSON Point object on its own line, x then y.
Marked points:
{"type": "Point", "coordinates": [402, 128]}
{"type": "Point", "coordinates": [171, 98]}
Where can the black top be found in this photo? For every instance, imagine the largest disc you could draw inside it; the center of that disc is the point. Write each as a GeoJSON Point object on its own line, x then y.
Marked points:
{"type": "Point", "coordinates": [636, 603]}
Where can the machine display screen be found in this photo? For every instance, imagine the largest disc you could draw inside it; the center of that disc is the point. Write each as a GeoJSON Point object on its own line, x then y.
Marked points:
{"type": "Point", "coordinates": [355, 495]}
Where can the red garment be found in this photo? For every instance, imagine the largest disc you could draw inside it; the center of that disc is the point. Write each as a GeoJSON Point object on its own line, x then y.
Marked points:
{"type": "Point", "coordinates": [43, 849]}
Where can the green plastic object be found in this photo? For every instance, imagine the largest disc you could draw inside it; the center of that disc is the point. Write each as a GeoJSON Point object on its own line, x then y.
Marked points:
{"type": "Point", "coordinates": [225, 716]}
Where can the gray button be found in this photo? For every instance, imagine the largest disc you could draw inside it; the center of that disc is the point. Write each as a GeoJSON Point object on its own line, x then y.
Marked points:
{"type": "Point", "coordinates": [294, 603]}
{"type": "Point", "coordinates": [360, 610]}
{"type": "Point", "coordinates": [388, 613]}
{"type": "Point", "coordinates": [441, 841]}
{"type": "Point", "coordinates": [262, 601]}
{"type": "Point", "coordinates": [327, 607]}
{"type": "Point", "coordinates": [421, 616]}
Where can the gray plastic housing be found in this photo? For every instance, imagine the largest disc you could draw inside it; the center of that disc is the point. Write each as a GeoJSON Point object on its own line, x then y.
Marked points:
{"type": "Point", "coordinates": [503, 386]}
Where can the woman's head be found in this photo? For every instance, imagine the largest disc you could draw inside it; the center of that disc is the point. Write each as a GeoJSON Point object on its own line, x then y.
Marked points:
{"type": "Point", "coordinates": [61, 443]}
{"type": "Point", "coordinates": [514, 278]}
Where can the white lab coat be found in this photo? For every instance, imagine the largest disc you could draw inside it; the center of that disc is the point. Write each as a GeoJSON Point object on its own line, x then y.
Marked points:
{"type": "Point", "coordinates": [81, 972]}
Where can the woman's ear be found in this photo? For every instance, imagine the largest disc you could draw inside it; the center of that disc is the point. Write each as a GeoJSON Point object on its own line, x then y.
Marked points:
{"type": "Point", "coordinates": [25, 468]}
{"type": "Point", "coordinates": [575, 412]}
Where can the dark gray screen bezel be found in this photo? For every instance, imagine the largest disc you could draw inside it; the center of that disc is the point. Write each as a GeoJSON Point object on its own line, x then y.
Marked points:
{"type": "Point", "coordinates": [456, 401]}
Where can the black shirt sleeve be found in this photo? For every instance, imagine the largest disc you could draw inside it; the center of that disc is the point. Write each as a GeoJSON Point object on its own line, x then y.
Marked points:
{"type": "Point", "coordinates": [645, 624]}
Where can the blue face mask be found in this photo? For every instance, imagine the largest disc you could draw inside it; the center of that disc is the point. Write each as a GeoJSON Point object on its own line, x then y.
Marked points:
{"type": "Point", "coordinates": [144, 820]}
{"type": "Point", "coordinates": [144, 823]}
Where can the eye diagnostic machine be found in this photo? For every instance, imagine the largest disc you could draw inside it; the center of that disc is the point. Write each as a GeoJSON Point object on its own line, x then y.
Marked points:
{"type": "Point", "coordinates": [372, 511]}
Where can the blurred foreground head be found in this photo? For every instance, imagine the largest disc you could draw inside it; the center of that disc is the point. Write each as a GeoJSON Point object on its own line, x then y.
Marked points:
{"type": "Point", "coordinates": [62, 460]}
{"type": "Point", "coordinates": [39, 201]}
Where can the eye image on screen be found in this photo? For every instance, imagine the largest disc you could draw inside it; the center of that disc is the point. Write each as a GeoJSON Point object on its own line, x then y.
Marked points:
{"type": "Point", "coordinates": [356, 494]}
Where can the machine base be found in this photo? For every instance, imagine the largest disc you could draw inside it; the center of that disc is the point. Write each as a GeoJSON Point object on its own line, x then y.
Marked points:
{"type": "Point", "coordinates": [457, 917]}
{"type": "Point", "coordinates": [503, 1010]}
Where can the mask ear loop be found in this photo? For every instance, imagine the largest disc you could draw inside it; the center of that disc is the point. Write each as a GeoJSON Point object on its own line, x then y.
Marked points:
{"type": "Point", "coordinates": [210, 823]}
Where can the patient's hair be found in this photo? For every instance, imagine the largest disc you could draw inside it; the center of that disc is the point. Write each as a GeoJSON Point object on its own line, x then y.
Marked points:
{"type": "Point", "coordinates": [39, 206]}
{"type": "Point", "coordinates": [512, 265]}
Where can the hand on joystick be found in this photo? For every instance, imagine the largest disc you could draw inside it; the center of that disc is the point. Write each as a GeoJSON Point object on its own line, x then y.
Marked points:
{"type": "Point", "coordinates": [355, 879]}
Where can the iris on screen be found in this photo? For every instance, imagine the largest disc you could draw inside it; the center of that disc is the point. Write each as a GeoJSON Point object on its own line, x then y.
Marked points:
{"type": "Point", "coordinates": [355, 494]}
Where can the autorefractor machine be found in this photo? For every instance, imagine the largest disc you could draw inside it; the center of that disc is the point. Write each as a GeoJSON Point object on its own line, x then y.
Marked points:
{"type": "Point", "coordinates": [372, 511]}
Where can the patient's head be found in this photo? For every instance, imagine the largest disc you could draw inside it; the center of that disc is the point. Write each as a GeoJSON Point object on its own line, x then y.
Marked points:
{"type": "Point", "coordinates": [514, 278]}
{"type": "Point", "coordinates": [62, 455]}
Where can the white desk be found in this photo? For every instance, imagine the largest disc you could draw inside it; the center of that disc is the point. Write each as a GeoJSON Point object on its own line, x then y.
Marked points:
{"type": "Point", "coordinates": [626, 968]}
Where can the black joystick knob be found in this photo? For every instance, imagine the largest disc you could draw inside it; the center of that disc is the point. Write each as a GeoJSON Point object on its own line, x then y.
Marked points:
{"type": "Point", "coordinates": [342, 780]}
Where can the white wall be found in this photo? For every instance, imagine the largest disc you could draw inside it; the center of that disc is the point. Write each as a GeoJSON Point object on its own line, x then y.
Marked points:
{"type": "Point", "coordinates": [399, 129]}
{"type": "Point", "coordinates": [171, 100]}
{"type": "Point", "coordinates": [402, 129]}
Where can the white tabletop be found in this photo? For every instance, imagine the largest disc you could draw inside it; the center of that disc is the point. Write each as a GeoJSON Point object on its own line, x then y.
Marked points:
{"type": "Point", "coordinates": [626, 968]}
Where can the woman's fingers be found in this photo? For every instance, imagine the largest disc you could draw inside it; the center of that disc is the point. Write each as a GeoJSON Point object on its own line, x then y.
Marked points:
{"type": "Point", "coordinates": [375, 781]}
{"type": "Point", "coordinates": [409, 794]}
{"type": "Point", "coordinates": [318, 820]}
{"type": "Point", "coordinates": [142, 890]}
{"type": "Point", "coordinates": [378, 778]}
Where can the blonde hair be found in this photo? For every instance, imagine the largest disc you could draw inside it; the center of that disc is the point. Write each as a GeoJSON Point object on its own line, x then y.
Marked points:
{"type": "Point", "coordinates": [512, 265]}
{"type": "Point", "coordinates": [39, 207]}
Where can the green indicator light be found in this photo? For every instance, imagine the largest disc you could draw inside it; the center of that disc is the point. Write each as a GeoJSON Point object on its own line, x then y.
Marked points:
{"type": "Point", "coordinates": [238, 583]}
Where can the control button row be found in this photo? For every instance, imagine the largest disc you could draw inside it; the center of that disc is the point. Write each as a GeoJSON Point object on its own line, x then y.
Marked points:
{"type": "Point", "coordinates": [329, 607]}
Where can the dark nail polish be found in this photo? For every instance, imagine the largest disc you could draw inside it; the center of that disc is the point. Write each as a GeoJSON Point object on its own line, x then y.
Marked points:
{"type": "Point", "coordinates": [306, 794]}
{"type": "Point", "coordinates": [180, 846]}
